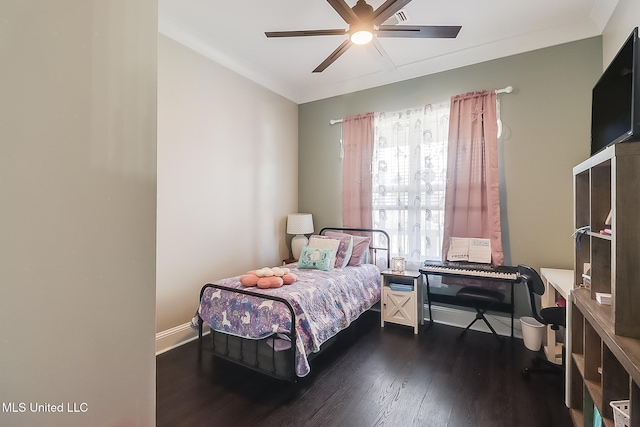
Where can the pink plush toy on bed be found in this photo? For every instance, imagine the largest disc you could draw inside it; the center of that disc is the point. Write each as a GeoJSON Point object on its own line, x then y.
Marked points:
{"type": "Point", "coordinates": [268, 277]}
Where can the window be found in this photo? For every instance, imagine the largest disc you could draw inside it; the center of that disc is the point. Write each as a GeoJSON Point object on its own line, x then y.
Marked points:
{"type": "Point", "coordinates": [409, 176]}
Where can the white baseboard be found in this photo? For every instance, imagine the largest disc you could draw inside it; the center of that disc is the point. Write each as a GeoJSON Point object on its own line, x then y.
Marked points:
{"type": "Point", "coordinates": [175, 337]}
{"type": "Point", "coordinates": [182, 334]}
{"type": "Point", "coordinates": [461, 318]}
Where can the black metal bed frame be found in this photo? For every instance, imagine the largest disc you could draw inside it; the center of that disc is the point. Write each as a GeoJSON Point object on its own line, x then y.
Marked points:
{"type": "Point", "coordinates": [255, 365]}
{"type": "Point", "coordinates": [248, 351]}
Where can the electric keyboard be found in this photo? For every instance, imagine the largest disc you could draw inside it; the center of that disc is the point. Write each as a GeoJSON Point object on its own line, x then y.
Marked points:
{"type": "Point", "coordinates": [495, 272]}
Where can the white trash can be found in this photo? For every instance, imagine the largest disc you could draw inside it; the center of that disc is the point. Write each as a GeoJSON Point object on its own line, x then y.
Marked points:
{"type": "Point", "coordinates": [532, 332]}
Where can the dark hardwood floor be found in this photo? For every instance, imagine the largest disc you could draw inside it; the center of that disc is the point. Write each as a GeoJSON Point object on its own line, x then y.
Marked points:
{"type": "Point", "coordinates": [372, 376]}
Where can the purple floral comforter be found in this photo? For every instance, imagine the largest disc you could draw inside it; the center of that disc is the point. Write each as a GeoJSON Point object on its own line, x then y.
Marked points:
{"type": "Point", "coordinates": [324, 303]}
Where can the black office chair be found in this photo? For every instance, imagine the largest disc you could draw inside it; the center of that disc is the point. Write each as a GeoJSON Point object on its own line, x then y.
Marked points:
{"type": "Point", "coordinates": [482, 299]}
{"type": "Point", "coordinates": [554, 316]}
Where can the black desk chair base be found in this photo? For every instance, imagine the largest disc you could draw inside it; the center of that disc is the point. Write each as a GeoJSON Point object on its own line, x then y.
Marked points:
{"type": "Point", "coordinates": [481, 299]}
{"type": "Point", "coordinates": [541, 365]}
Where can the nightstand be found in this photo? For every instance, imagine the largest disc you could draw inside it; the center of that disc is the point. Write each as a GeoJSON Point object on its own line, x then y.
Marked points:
{"type": "Point", "coordinates": [403, 307]}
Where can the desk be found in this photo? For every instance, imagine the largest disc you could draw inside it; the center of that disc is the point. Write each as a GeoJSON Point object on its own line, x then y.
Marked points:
{"type": "Point", "coordinates": [504, 274]}
{"type": "Point", "coordinates": [557, 283]}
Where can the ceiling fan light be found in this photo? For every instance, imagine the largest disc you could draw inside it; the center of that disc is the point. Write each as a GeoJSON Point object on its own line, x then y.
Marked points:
{"type": "Point", "coordinates": [361, 37]}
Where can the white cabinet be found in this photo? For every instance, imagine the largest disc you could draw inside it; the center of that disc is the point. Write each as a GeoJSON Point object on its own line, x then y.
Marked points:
{"type": "Point", "coordinates": [403, 307]}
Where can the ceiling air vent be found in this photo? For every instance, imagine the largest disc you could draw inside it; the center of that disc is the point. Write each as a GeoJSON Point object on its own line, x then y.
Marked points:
{"type": "Point", "coordinates": [397, 18]}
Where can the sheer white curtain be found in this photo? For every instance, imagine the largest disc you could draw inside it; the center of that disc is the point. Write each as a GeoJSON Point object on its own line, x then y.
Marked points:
{"type": "Point", "coordinates": [409, 180]}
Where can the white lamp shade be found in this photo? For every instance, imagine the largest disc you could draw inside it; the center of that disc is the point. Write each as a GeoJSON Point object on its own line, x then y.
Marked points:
{"type": "Point", "coordinates": [299, 223]}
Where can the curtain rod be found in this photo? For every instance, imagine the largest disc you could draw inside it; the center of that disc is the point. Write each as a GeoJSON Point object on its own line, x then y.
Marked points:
{"type": "Point", "coordinates": [507, 89]}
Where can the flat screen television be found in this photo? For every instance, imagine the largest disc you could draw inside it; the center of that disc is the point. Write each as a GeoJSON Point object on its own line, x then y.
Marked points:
{"type": "Point", "coordinates": [615, 109]}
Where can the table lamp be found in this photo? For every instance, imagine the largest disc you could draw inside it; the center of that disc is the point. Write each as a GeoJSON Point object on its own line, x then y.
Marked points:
{"type": "Point", "coordinates": [299, 224]}
{"type": "Point", "coordinates": [398, 264]}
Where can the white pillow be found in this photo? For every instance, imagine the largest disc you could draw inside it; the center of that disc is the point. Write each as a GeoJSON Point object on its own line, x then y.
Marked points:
{"type": "Point", "coordinates": [322, 242]}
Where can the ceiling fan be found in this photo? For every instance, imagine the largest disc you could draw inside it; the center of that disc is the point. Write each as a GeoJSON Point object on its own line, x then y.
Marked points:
{"type": "Point", "coordinates": [365, 22]}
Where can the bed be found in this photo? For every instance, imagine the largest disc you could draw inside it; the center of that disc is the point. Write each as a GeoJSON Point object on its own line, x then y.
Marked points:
{"type": "Point", "coordinates": [278, 331]}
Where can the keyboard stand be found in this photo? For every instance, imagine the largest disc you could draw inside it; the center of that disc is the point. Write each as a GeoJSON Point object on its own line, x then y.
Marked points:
{"type": "Point", "coordinates": [473, 275]}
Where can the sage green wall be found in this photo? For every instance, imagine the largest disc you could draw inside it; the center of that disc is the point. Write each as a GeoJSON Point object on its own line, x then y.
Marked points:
{"type": "Point", "coordinates": [546, 132]}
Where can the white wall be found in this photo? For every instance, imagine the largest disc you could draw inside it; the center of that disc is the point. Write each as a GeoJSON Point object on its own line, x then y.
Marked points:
{"type": "Point", "coordinates": [625, 18]}
{"type": "Point", "coordinates": [227, 177]}
{"type": "Point", "coordinates": [77, 211]}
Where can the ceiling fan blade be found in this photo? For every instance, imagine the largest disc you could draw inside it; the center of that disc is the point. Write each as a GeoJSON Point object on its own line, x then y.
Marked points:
{"type": "Point", "coordinates": [334, 55]}
{"type": "Point", "coordinates": [419, 31]}
{"type": "Point", "coordinates": [304, 33]}
{"type": "Point", "coordinates": [386, 9]}
{"type": "Point", "coordinates": [344, 10]}
{"type": "Point", "coordinates": [377, 51]}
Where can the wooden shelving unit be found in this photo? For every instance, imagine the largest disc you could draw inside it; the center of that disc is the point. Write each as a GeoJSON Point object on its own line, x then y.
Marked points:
{"type": "Point", "coordinates": [605, 366]}
{"type": "Point", "coordinates": [604, 360]}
